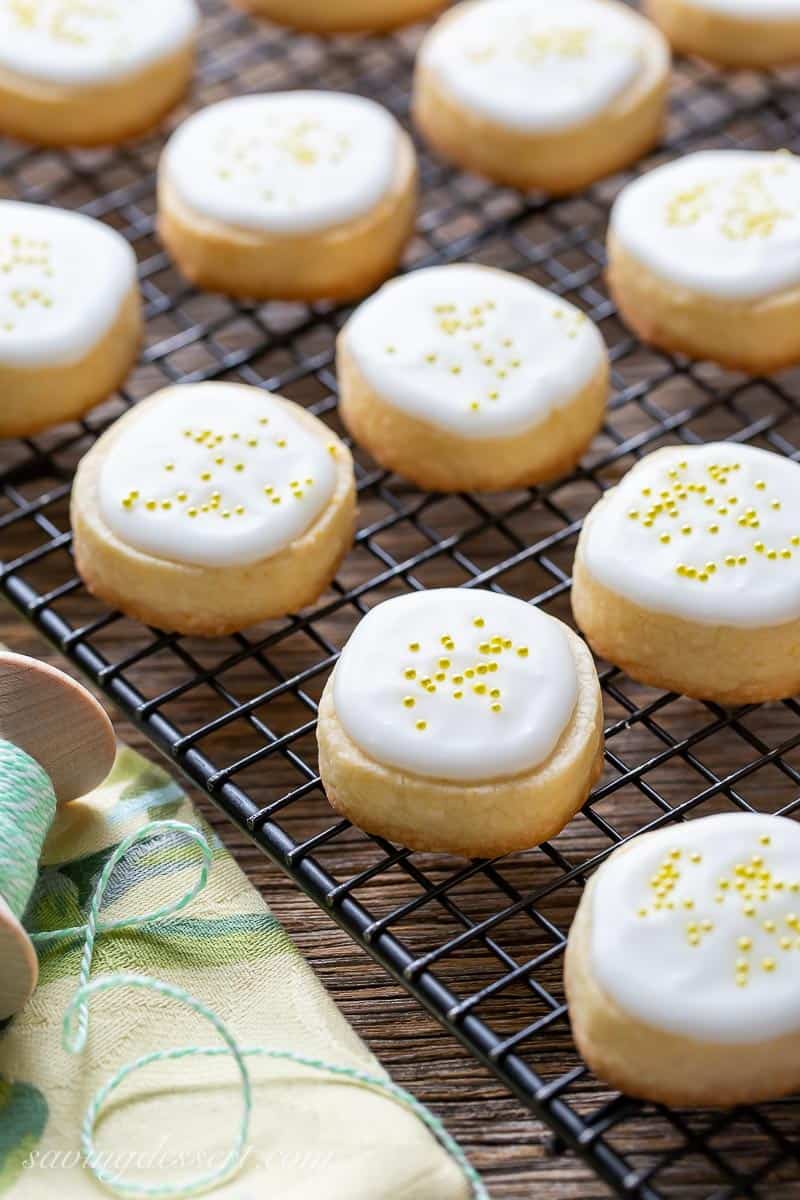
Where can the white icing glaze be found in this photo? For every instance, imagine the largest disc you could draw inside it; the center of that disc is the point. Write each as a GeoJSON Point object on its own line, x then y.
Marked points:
{"type": "Point", "coordinates": [83, 42]}
{"type": "Point", "coordinates": [533, 64]}
{"type": "Point", "coordinates": [215, 474]}
{"type": "Point", "coordinates": [715, 537]}
{"type": "Point", "coordinates": [704, 943]}
{"type": "Point", "coordinates": [476, 351]}
{"type": "Point", "coordinates": [63, 278]}
{"type": "Point", "coordinates": [284, 162]}
{"type": "Point", "coordinates": [456, 684]}
{"type": "Point", "coordinates": [722, 222]}
{"type": "Point", "coordinates": [753, 10]}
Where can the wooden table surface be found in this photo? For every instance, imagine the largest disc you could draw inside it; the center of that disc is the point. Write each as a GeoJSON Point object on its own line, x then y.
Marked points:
{"type": "Point", "coordinates": [506, 1144]}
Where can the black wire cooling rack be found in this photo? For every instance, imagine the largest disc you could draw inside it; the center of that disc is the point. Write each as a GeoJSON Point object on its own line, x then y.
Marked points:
{"type": "Point", "coordinates": [479, 944]}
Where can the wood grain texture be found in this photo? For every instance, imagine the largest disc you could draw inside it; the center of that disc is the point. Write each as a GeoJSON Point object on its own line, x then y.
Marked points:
{"type": "Point", "coordinates": [510, 1148]}
{"type": "Point", "coordinates": [57, 722]}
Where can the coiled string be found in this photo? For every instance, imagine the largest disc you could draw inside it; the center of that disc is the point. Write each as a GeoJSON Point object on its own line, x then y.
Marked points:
{"type": "Point", "coordinates": [27, 809]}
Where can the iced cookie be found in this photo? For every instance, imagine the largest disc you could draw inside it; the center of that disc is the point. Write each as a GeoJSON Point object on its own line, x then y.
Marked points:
{"type": "Point", "coordinates": [87, 72]}
{"type": "Point", "coordinates": [292, 195]}
{"type": "Point", "coordinates": [733, 33]}
{"type": "Point", "coordinates": [687, 574]}
{"type": "Point", "coordinates": [541, 95]}
{"type": "Point", "coordinates": [683, 963]}
{"type": "Point", "coordinates": [704, 257]}
{"type": "Point", "coordinates": [463, 721]}
{"type": "Point", "coordinates": [70, 315]}
{"type": "Point", "coordinates": [464, 378]}
{"type": "Point", "coordinates": [342, 16]}
{"type": "Point", "coordinates": [212, 506]}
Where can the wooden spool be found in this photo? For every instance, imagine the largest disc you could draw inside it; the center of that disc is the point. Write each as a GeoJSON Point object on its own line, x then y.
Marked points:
{"type": "Point", "coordinates": [60, 725]}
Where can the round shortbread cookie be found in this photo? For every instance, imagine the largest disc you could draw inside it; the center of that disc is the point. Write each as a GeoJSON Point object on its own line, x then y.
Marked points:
{"type": "Point", "coordinates": [467, 378]}
{"type": "Point", "coordinates": [342, 16]}
{"type": "Point", "coordinates": [683, 963]}
{"type": "Point", "coordinates": [293, 195]}
{"type": "Point", "coordinates": [687, 574]}
{"type": "Point", "coordinates": [732, 33]}
{"type": "Point", "coordinates": [461, 720]}
{"type": "Point", "coordinates": [541, 96]}
{"type": "Point", "coordinates": [84, 72]}
{"type": "Point", "coordinates": [212, 506]}
{"type": "Point", "coordinates": [70, 315]}
{"type": "Point", "coordinates": [704, 257]}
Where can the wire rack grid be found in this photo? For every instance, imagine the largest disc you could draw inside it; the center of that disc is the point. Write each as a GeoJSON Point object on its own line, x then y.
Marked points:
{"type": "Point", "coordinates": [479, 943]}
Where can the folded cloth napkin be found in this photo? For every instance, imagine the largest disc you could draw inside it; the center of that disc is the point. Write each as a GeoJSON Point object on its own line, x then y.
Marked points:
{"type": "Point", "coordinates": [311, 1135]}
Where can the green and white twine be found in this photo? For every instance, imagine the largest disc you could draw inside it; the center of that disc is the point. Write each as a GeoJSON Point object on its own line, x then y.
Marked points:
{"type": "Point", "coordinates": [27, 809]}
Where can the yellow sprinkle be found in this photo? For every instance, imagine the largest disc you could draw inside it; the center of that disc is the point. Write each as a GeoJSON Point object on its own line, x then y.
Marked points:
{"type": "Point", "coordinates": [421, 725]}
{"type": "Point", "coordinates": [409, 701]}
{"type": "Point", "coordinates": [413, 646]}
{"type": "Point", "coordinates": [768, 964]}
